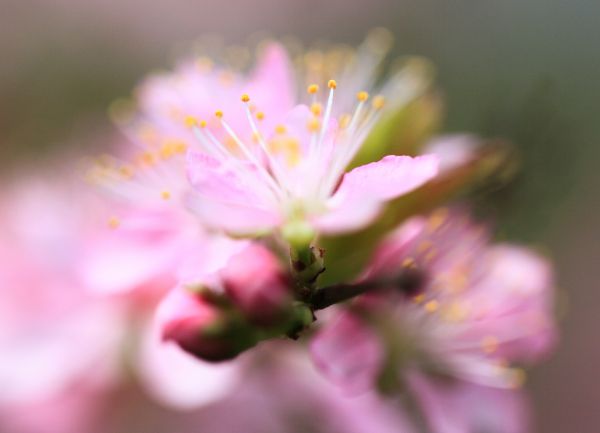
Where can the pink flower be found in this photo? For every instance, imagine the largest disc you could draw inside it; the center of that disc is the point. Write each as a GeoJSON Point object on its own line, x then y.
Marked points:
{"type": "Point", "coordinates": [294, 179]}
{"type": "Point", "coordinates": [76, 294]}
{"type": "Point", "coordinates": [255, 280]}
{"type": "Point", "coordinates": [455, 304]}
{"type": "Point", "coordinates": [273, 161]}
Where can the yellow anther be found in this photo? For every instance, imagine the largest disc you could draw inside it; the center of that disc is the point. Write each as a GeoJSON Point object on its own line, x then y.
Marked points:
{"type": "Point", "coordinates": [287, 146]}
{"type": "Point", "coordinates": [147, 134]}
{"type": "Point", "coordinates": [409, 262]}
{"type": "Point", "coordinates": [245, 97]}
{"type": "Point", "coordinates": [147, 158]}
{"type": "Point", "coordinates": [458, 281]}
{"type": "Point", "coordinates": [180, 147]}
{"type": "Point", "coordinates": [256, 137]}
{"type": "Point", "coordinates": [332, 84]}
{"type": "Point", "coordinates": [113, 222]}
{"type": "Point", "coordinates": [203, 124]}
{"type": "Point", "coordinates": [378, 102]}
{"type": "Point", "coordinates": [437, 218]}
{"type": "Point", "coordinates": [280, 129]}
{"type": "Point", "coordinates": [424, 246]}
{"type": "Point", "coordinates": [165, 195]}
{"type": "Point", "coordinates": [316, 109]}
{"type": "Point", "coordinates": [121, 111]}
{"type": "Point", "coordinates": [345, 120]}
{"type": "Point", "coordinates": [312, 89]}
{"type": "Point", "coordinates": [431, 306]}
{"type": "Point", "coordinates": [431, 254]}
{"type": "Point", "coordinates": [362, 96]}
{"type": "Point", "coordinates": [489, 344]}
{"type": "Point", "coordinates": [455, 312]}
{"type": "Point", "coordinates": [204, 64]}
{"type": "Point", "coordinates": [219, 114]}
{"type": "Point", "coordinates": [313, 125]}
{"type": "Point", "coordinates": [379, 40]}
{"type": "Point", "coordinates": [260, 115]}
{"type": "Point", "coordinates": [190, 121]}
{"type": "Point", "coordinates": [126, 171]}
{"type": "Point", "coordinates": [417, 299]}
{"type": "Point", "coordinates": [232, 145]}
{"type": "Point", "coordinates": [167, 150]}
{"type": "Point", "coordinates": [518, 378]}
{"type": "Point", "coordinates": [105, 161]}
{"type": "Point", "coordinates": [226, 78]}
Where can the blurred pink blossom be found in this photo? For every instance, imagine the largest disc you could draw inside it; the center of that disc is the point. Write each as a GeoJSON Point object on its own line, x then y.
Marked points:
{"type": "Point", "coordinates": [456, 305]}
{"type": "Point", "coordinates": [65, 340]}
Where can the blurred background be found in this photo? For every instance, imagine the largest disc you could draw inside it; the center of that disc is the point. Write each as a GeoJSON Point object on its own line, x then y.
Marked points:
{"type": "Point", "coordinates": [524, 70]}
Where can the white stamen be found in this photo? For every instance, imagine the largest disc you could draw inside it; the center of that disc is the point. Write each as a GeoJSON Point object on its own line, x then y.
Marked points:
{"type": "Point", "coordinates": [272, 162]}
{"type": "Point", "coordinates": [264, 173]}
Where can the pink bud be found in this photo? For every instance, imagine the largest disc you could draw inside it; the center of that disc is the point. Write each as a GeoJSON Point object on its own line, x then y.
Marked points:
{"type": "Point", "coordinates": [193, 323]}
{"type": "Point", "coordinates": [256, 282]}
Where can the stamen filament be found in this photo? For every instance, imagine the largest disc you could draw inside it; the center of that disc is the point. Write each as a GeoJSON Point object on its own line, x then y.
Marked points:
{"type": "Point", "coordinates": [272, 162]}
{"type": "Point", "coordinates": [261, 169]}
{"type": "Point", "coordinates": [332, 86]}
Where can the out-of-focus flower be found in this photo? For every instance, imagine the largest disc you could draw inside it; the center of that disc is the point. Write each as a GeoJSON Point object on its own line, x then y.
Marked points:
{"type": "Point", "coordinates": [454, 305]}
{"type": "Point", "coordinates": [463, 407]}
{"type": "Point", "coordinates": [282, 393]}
{"type": "Point", "coordinates": [66, 340]}
{"type": "Point", "coordinates": [274, 160]}
{"type": "Point", "coordinates": [52, 332]}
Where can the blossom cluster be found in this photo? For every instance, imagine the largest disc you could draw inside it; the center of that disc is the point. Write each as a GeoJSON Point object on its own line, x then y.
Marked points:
{"type": "Point", "coordinates": [285, 239]}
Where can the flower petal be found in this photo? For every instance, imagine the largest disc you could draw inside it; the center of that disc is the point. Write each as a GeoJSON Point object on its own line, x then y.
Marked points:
{"type": "Point", "coordinates": [233, 200]}
{"type": "Point", "coordinates": [272, 82]}
{"type": "Point", "coordinates": [179, 380]}
{"type": "Point", "coordinates": [387, 178]}
{"type": "Point", "coordinates": [459, 407]}
{"type": "Point", "coordinates": [363, 190]}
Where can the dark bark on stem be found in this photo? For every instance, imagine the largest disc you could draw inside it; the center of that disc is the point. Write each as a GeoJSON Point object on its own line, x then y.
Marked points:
{"type": "Point", "coordinates": [331, 295]}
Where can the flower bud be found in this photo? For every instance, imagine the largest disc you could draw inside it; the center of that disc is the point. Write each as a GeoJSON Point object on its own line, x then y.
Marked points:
{"type": "Point", "coordinates": [196, 325]}
{"type": "Point", "coordinates": [257, 284]}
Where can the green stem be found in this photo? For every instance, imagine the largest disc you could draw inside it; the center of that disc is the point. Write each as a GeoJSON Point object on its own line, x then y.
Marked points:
{"type": "Point", "coordinates": [331, 295]}
{"type": "Point", "coordinates": [414, 409]}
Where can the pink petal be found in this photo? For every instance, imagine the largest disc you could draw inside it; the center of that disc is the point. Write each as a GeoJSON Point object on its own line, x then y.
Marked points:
{"type": "Point", "coordinates": [347, 217]}
{"type": "Point", "coordinates": [272, 83]}
{"type": "Point", "coordinates": [386, 179]}
{"type": "Point", "coordinates": [179, 380]}
{"type": "Point", "coordinates": [459, 407]}
{"type": "Point", "coordinates": [364, 189]}
{"type": "Point", "coordinates": [348, 352]}
{"type": "Point", "coordinates": [145, 249]}
{"type": "Point", "coordinates": [232, 198]}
